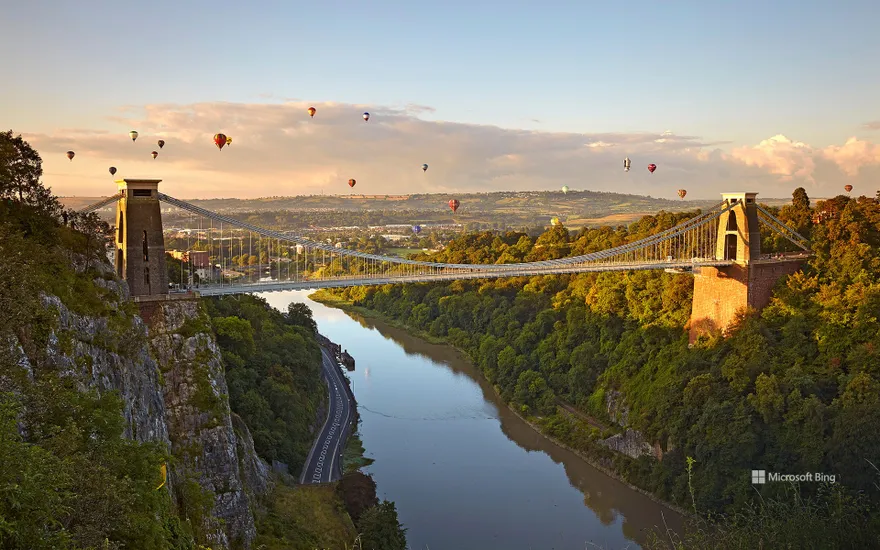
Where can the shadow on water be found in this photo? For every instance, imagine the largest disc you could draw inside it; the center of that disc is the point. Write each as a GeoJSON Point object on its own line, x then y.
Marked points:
{"type": "Point", "coordinates": [607, 497]}
{"type": "Point", "coordinates": [459, 481]}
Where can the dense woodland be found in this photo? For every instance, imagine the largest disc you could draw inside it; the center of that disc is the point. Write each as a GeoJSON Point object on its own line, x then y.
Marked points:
{"type": "Point", "coordinates": [273, 371]}
{"type": "Point", "coordinates": [794, 389]}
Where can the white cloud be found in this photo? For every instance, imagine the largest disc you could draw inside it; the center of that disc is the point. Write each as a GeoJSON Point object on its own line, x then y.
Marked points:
{"type": "Point", "coordinates": [278, 150]}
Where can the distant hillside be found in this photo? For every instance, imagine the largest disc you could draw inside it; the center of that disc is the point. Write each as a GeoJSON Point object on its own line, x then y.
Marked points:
{"type": "Point", "coordinates": [575, 209]}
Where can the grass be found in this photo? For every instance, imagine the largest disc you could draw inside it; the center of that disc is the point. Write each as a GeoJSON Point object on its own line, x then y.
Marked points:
{"type": "Point", "coordinates": [305, 517]}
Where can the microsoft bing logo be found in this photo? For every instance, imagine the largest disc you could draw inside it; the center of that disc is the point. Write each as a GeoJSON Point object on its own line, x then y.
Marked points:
{"type": "Point", "coordinates": [759, 477]}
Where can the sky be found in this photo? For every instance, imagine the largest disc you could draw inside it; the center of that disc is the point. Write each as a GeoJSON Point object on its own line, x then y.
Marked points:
{"type": "Point", "coordinates": [721, 96]}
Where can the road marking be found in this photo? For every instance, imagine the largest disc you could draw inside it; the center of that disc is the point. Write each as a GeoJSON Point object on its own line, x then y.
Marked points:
{"type": "Point", "coordinates": [315, 446]}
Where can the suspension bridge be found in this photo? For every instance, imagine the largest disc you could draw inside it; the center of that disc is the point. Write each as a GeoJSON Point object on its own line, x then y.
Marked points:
{"type": "Point", "coordinates": [238, 257]}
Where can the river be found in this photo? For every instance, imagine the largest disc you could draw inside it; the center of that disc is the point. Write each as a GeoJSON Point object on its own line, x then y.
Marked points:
{"type": "Point", "coordinates": [464, 471]}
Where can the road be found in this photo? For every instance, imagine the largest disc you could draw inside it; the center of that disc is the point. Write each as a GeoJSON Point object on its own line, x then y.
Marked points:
{"type": "Point", "coordinates": [324, 463]}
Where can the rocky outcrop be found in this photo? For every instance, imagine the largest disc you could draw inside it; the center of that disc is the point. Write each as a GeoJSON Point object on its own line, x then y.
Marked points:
{"type": "Point", "coordinates": [200, 423]}
{"type": "Point", "coordinates": [631, 443]}
{"type": "Point", "coordinates": [110, 353]}
{"type": "Point", "coordinates": [169, 375]}
{"type": "Point", "coordinates": [253, 469]}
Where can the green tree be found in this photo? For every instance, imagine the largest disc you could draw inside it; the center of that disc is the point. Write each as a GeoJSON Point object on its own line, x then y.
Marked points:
{"type": "Point", "coordinates": [20, 171]}
{"type": "Point", "coordinates": [380, 529]}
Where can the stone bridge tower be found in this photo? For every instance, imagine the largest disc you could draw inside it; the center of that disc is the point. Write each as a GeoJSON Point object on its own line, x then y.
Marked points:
{"type": "Point", "coordinates": [722, 292]}
{"type": "Point", "coordinates": [140, 243]}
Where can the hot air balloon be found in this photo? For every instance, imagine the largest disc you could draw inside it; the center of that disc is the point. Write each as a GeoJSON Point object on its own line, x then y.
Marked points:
{"type": "Point", "coordinates": [682, 193]}
{"type": "Point", "coordinates": [220, 140]}
{"type": "Point", "coordinates": [312, 112]}
{"type": "Point", "coordinates": [351, 183]}
{"type": "Point", "coordinates": [112, 170]}
{"type": "Point", "coordinates": [417, 229]}
{"type": "Point", "coordinates": [161, 143]}
{"type": "Point", "coordinates": [424, 168]}
{"type": "Point", "coordinates": [366, 117]}
{"type": "Point", "coordinates": [848, 188]}
{"type": "Point", "coordinates": [554, 221]}
{"type": "Point", "coordinates": [564, 189]}
{"type": "Point", "coordinates": [155, 154]}
{"type": "Point", "coordinates": [133, 134]}
{"type": "Point", "coordinates": [652, 167]}
{"type": "Point", "coordinates": [338, 245]}
{"type": "Point", "coordinates": [454, 204]}
{"type": "Point", "coordinates": [70, 155]}
{"type": "Point", "coordinates": [626, 164]}
{"type": "Point", "coordinates": [228, 140]}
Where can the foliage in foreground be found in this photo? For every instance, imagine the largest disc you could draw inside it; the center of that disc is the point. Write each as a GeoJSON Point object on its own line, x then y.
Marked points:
{"type": "Point", "coordinates": [833, 519]}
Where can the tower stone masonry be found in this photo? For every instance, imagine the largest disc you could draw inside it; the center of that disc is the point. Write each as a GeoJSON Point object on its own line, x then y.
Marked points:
{"type": "Point", "coordinates": [720, 293]}
{"type": "Point", "coordinates": [140, 242]}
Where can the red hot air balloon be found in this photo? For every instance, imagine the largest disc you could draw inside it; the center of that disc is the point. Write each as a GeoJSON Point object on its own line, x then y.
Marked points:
{"type": "Point", "coordinates": [848, 188]}
{"type": "Point", "coordinates": [220, 140]}
{"type": "Point", "coordinates": [682, 193]}
{"type": "Point", "coordinates": [70, 155]}
{"type": "Point", "coordinates": [652, 167]}
{"type": "Point", "coordinates": [161, 143]}
{"type": "Point", "coordinates": [351, 183]}
{"type": "Point", "coordinates": [155, 154]}
{"type": "Point", "coordinates": [312, 112]}
{"type": "Point", "coordinates": [454, 204]}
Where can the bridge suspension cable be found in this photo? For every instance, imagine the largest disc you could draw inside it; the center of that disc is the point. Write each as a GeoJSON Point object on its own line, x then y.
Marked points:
{"type": "Point", "coordinates": [780, 228]}
{"type": "Point", "coordinates": [312, 264]}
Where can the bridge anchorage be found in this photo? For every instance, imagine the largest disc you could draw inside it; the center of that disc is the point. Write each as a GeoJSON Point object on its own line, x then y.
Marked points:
{"type": "Point", "coordinates": [220, 255]}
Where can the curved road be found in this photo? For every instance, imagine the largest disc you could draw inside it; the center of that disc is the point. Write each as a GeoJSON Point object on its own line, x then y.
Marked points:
{"type": "Point", "coordinates": [324, 463]}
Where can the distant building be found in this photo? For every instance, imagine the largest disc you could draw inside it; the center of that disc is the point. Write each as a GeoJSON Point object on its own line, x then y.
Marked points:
{"type": "Point", "coordinates": [197, 258]}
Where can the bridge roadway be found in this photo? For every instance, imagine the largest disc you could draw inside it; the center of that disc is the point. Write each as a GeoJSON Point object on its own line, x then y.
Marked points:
{"type": "Point", "coordinates": [358, 280]}
{"type": "Point", "coordinates": [324, 463]}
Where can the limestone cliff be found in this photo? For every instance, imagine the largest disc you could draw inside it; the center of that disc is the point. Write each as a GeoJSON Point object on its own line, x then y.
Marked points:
{"type": "Point", "coordinates": [200, 424]}
{"type": "Point", "coordinates": [170, 378]}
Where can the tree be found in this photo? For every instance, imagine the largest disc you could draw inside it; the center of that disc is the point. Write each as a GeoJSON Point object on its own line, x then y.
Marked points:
{"type": "Point", "coordinates": [380, 528]}
{"type": "Point", "coordinates": [20, 171]}
{"type": "Point", "coordinates": [300, 314]}
{"type": "Point", "coordinates": [800, 200]}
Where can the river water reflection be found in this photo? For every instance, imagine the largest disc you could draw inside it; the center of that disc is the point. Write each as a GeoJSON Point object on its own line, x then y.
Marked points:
{"type": "Point", "coordinates": [464, 471]}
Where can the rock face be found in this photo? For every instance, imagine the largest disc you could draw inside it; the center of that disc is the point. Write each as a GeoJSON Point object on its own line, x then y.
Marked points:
{"type": "Point", "coordinates": [631, 442]}
{"type": "Point", "coordinates": [200, 424]}
{"type": "Point", "coordinates": [170, 378]}
{"type": "Point", "coordinates": [107, 358]}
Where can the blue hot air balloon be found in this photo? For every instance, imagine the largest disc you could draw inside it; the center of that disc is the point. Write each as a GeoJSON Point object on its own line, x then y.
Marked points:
{"type": "Point", "coordinates": [424, 168]}
{"type": "Point", "coordinates": [417, 229]}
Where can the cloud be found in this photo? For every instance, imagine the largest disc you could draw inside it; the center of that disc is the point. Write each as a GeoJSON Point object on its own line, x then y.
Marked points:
{"type": "Point", "coordinates": [278, 150]}
{"type": "Point", "coordinates": [873, 125]}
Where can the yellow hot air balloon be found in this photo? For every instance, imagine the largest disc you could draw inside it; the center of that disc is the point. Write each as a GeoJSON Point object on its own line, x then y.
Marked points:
{"type": "Point", "coordinates": [133, 134]}
{"type": "Point", "coordinates": [228, 140]}
{"type": "Point", "coordinates": [312, 111]}
{"type": "Point", "coordinates": [164, 470]}
{"type": "Point", "coordinates": [554, 221]}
